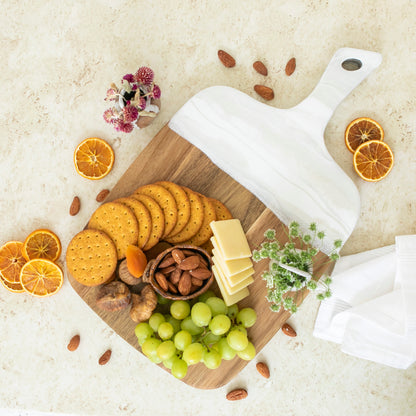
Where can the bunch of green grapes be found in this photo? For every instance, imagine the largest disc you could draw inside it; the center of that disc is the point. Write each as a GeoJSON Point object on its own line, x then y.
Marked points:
{"type": "Point", "coordinates": [206, 331]}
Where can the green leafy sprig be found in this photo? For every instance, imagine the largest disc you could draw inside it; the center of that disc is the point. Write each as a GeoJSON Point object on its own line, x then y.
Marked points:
{"type": "Point", "coordinates": [298, 252]}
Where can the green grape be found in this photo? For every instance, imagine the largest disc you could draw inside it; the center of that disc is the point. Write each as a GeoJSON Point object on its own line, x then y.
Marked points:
{"type": "Point", "coordinates": [211, 338]}
{"type": "Point", "coordinates": [168, 363]}
{"type": "Point", "coordinates": [227, 353]}
{"type": "Point", "coordinates": [201, 314]}
{"type": "Point", "coordinates": [166, 350]}
{"type": "Point", "coordinates": [180, 309]}
{"type": "Point", "coordinates": [247, 317]}
{"type": "Point", "coordinates": [192, 354]}
{"type": "Point", "coordinates": [155, 320]}
{"type": "Point", "coordinates": [232, 311]}
{"type": "Point", "coordinates": [165, 330]}
{"type": "Point", "coordinates": [188, 325]}
{"type": "Point", "coordinates": [211, 359]}
{"type": "Point", "coordinates": [179, 368]}
{"type": "Point", "coordinates": [143, 331]}
{"type": "Point", "coordinates": [240, 328]}
{"type": "Point", "coordinates": [149, 347]}
{"type": "Point", "coordinates": [161, 300]}
{"type": "Point", "coordinates": [220, 324]}
{"type": "Point", "coordinates": [217, 305]}
{"type": "Point", "coordinates": [176, 323]}
{"type": "Point", "coordinates": [154, 358]}
{"type": "Point", "coordinates": [247, 353]}
{"type": "Point", "coordinates": [205, 296]}
{"type": "Point", "coordinates": [237, 339]}
{"type": "Point", "coordinates": [182, 340]}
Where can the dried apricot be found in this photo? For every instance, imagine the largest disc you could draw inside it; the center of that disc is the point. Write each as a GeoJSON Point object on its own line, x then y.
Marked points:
{"type": "Point", "coordinates": [136, 261]}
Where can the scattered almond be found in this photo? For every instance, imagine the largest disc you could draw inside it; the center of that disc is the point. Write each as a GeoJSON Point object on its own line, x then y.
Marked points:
{"type": "Point", "coordinates": [102, 195]}
{"type": "Point", "coordinates": [264, 92]}
{"type": "Point", "coordinates": [263, 369]}
{"type": "Point", "coordinates": [105, 358]}
{"type": "Point", "coordinates": [290, 67]}
{"type": "Point", "coordinates": [237, 394]}
{"type": "Point", "coordinates": [288, 330]}
{"type": "Point", "coordinates": [75, 206]}
{"type": "Point", "coordinates": [260, 68]}
{"type": "Point", "coordinates": [226, 59]}
{"type": "Point", "coordinates": [74, 343]}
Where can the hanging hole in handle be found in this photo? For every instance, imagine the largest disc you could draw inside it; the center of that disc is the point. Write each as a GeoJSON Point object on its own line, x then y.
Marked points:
{"type": "Point", "coordinates": [352, 64]}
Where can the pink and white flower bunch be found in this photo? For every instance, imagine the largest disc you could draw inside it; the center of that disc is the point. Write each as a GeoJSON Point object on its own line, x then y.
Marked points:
{"type": "Point", "coordinates": [132, 100]}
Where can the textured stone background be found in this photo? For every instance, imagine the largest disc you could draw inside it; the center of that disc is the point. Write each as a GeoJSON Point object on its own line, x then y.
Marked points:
{"type": "Point", "coordinates": [58, 59]}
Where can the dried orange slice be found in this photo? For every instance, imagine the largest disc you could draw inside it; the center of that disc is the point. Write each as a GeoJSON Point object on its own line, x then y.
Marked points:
{"type": "Point", "coordinates": [93, 158]}
{"type": "Point", "coordinates": [12, 287]}
{"type": "Point", "coordinates": [362, 130]}
{"type": "Point", "coordinates": [11, 261]}
{"type": "Point", "coordinates": [41, 277]}
{"type": "Point", "coordinates": [373, 160]}
{"type": "Point", "coordinates": [42, 244]}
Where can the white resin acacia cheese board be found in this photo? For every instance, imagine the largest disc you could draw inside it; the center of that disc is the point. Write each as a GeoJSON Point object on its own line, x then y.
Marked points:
{"type": "Point", "coordinates": [170, 157]}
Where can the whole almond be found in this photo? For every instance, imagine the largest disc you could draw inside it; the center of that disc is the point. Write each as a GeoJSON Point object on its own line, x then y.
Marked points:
{"type": "Point", "coordinates": [74, 343]}
{"type": "Point", "coordinates": [191, 262]}
{"type": "Point", "coordinates": [175, 276]}
{"type": "Point", "coordinates": [288, 330]}
{"type": "Point", "coordinates": [102, 195]}
{"type": "Point", "coordinates": [167, 261]}
{"type": "Point", "coordinates": [290, 67]}
{"type": "Point", "coordinates": [196, 282]}
{"type": "Point", "coordinates": [185, 283]}
{"type": "Point", "coordinates": [200, 273]}
{"type": "Point", "coordinates": [105, 358]}
{"type": "Point", "coordinates": [75, 206]}
{"type": "Point", "coordinates": [237, 394]}
{"type": "Point", "coordinates": [161, 280]}
{"type": "Point", "coordinates": [172, 288]}
{"type": "Point", "coordinates": [264, 92]}
{"type": "Point", "coordinates": [167, 270]}
{"type": "Point", "coordinates": [263, 369]}
{"type": "Point", "coordinates": [177, 255]}
{"type": "Point", "coordinates": [260, 68]}
{"type": "Point", "coordinates": [226, 59]}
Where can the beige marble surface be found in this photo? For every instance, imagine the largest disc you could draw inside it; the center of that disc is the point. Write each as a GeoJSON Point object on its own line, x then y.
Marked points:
{"type": "Point", "coordinates": [58, 59]}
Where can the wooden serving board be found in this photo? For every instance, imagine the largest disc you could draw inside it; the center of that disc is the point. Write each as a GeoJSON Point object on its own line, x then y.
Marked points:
{"type": "Point", "coordinates": [170, 157]}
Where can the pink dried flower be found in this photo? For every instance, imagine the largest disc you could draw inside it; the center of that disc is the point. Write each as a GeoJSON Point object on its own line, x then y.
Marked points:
{"type": "Point", "coordinates": [111, 94]}
{"type": "Point", "coordinates": [130, 113]}
{"type": "Point", "coordinates": [155, 92]}
{"type": "Point", "coordinates": [129, 77]}
{"type": "Point", "coordinates": [144, 75]}
{"type": "Point", "coordinates": [127, 128]}
{"type": "Point", "coordinates": [118, 124]}
{"type": "Point", "coordinates": [142, 104]}
{"type": "Point", "coordinates": [108, 115]}
{"type": "Point", "coordinates": [134, 87]}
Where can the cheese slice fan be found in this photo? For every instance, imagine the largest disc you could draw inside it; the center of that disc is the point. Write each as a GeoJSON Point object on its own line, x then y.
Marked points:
{"type": "Point", "coordinates": [279, 154]}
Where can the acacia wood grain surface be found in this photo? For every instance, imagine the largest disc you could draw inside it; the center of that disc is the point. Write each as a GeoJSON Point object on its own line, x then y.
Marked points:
{"type": "Point", "coordinates": [170, 157]}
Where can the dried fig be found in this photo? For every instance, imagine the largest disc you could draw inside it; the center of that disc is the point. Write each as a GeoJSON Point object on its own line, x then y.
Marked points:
{"type": "Point", "coordinates": [126, 276]}
{"type": "Point", "coordinates": [113, 296]}
{"type": "Point", "coordinates": [143, 305]}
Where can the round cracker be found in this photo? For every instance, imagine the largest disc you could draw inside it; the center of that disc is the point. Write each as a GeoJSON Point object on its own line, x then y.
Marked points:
{"type": "Point", "coordinates": [119, 223]}
{"type": "Point", "coordinates": [143, 217]}
{"type": "Point", "coordinates": [182, 203]}
{"type": "Point", "coordinates": [91, 257]}
{"type": "Point", "coordinates": [221, 211]}
{"type": "Point", "coordinates": [166, 201]}
{"type": "Point", "coordinates": [205, 232]}
{"type": "Point", "coordinates": [195, 220]}
{"type": "Point", "coordinates": [158, 219]}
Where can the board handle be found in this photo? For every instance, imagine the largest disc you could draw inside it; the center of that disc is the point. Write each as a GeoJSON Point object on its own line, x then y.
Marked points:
{"type": "Point", "coordinates": [347, 68]}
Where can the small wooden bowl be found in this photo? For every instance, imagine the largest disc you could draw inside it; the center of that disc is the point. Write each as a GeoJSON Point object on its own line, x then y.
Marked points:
{"type": "Point", "coordinates": [152, 266]}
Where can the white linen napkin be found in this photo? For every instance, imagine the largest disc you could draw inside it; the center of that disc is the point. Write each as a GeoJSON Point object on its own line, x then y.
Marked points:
{"type": "Point", "coordinates": [371, 313]}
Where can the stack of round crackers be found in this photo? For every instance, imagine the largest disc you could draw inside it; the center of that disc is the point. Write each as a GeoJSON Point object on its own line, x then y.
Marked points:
{"type": "Point", "coordinates": [162, 211]}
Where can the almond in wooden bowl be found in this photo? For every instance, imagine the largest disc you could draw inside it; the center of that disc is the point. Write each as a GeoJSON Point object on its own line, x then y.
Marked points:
{"type": "Point", "coordinates": [181, 272]}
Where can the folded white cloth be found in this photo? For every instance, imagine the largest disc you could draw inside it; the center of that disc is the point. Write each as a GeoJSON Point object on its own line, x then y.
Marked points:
{"type": "Point", "coordinates": [371, 313]}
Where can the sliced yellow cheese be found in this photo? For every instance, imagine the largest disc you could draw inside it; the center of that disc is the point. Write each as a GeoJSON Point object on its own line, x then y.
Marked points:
{"type": "Point", "coordinates": [232, 267]}
{"type": "Point", "coordinates": [241, 283]}
{"type": "Point", "coordinates": [231, 239]}
{"type": "Point", "coordinates": [229, 299]}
